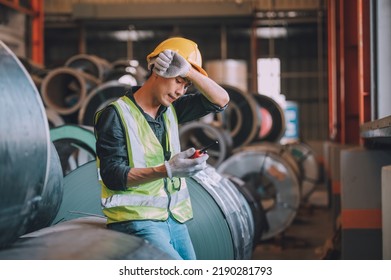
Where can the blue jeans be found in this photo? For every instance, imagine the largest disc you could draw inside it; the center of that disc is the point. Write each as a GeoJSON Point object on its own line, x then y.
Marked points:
{"type": "Point", "coordinates": [169, 236]}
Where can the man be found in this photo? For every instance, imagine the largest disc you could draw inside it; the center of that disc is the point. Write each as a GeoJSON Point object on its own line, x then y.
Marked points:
{"type": "Point", "coordinates": [142, 170]}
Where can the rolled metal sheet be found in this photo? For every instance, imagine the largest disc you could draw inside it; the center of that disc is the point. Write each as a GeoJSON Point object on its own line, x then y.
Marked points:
{"type": "Point", "coordinates": [273, 124]}
{"type": "Point", "coordinates": [81, 196]}
{"type": "Point", "coordinates": [209, 230]}
{"type": "Point", "coordinates": [54, 118]}
{"type": "Point", "coordinates": [242, 117]}
{"type": "Point", "coordinates": [98, 98]}
{"type": "Point", "coordinates": [309, 166]}
{"type": "Point", "coordinates": [24, 147]}
{"type": "Point", "coordinates": [275, 182]}
{"type": "Point", "coordinates": [278, 149]}
{"type": "Point", "coordinates": [198, 135]}
{"type": "Point", "coordinates": [74, 144]}
{"type": "Point", "coordinates": [89, 64]}
{"type": "Point", "coordinates": [64, 89]}
{"type": "Point", "coordinates": [49, 205]}
{"type": "Point", "coordinates": [81, 239]}
{"type": "Point", "coordinates": [234, 207]}
{"type": "Point", "coordinates": [254, 201]}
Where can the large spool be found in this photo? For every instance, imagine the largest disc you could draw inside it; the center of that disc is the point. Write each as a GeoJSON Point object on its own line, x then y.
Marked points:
{"type": "Point", "coordinates": [49, 205]}
{"type": "Point", "coordinates": [254, 201]}
{"type": "Point", "coordinates": [75, 145]}
{"type": "Point", "coordinates": [89, 64]}
{"type": "Point", "coordinates": [64, 89]}
{"type": "Point", "coordinates": [235, 209]}
{"type": "Point", "coordinates": [24, 147]}
{"type": "Point", "coordinates": [273, 123]}
{"type": "Point", "coordinates": [198, 135]}
{"type": "Point", "coordinates": [241, 118]}
{"type": "Point", "coordinates": [98, 98]}
{"type": "Point", "coordinates": [81, 196]}
{"type": "Point", "coordinates": [274, 180]}
{"type": "Point", "coordinates": [217, 208]}
{"type": "Point", "coordinates": [280, 150]}
{"type": "Point", "coordinates": [81, 239]}
{"type": "Point", "coordinates": [309, 167]}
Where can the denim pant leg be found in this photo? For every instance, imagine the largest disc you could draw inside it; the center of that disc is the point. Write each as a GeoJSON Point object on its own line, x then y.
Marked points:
{"type": "Point", "coordinates": [161, 235]}
{"type": "Point", "coordinates": [181, 239]}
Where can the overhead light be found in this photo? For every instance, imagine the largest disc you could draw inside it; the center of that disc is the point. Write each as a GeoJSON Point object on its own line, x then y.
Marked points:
{"type": "Point", "coordinates": [132, 35]}
{"type": "Point", "coordinates": [271, 32]}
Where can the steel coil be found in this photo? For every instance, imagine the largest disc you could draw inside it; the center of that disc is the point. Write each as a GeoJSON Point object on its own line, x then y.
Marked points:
{"type": "Point", "coordinates": [98, 98]}
{"type": "Point", "coordinates": [81, 196]}
{"type": "Point", "coordinates": [81, 239]}
{"type": "Point", "coordinates": [75, 145]}
{"type": "Point", "coordinates": [64, 89]}
{"type": "Point", "coordinates": [24, 147]}
{"type": "Point", "coordinates": [209, 230]}
{"type": "Point", "coordinates": [254, 201]}
{"type": "Point", "coordinates": [274, 180]}
{"type": "Point", "coordinates": [273, 124]}
{"type": "Point", "coordinates": [234, 207]}
{"type": "Point", "coordinates": [241, 118]}
{"type": "Point", "coordinates": [198, 135]}
{"type": "Point", "coordinates": [309, 167]}
{"type": "Point", "coordinates": [280, 150]}
{"type": "Point", "coordinates": [49, 205]}
{"type": "Point", "coordinates": [89, 64]}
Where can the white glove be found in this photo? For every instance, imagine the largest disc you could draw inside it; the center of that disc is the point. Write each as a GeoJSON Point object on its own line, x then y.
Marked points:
{"type": "Point", "coordinates": [170, 64]}
{"type": "Point", "coordinates": [181, 165]}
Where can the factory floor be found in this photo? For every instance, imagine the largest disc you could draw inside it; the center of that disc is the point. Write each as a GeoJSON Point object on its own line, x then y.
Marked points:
{"type": "Point", "coordinates": [309, 237]}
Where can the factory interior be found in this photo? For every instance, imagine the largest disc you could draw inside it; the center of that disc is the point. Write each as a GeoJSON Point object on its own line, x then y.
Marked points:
{"type": "Point", "coordinates": [301, 169]}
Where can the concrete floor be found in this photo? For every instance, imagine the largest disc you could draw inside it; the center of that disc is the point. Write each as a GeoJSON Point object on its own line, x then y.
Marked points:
{"type": "Point", "coordinates": [307, 238]}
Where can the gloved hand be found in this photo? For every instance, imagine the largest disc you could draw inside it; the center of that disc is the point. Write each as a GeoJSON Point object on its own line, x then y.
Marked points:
{"type": "Point", "coordinates": [169, 64]}
{"type": "Point", "coordinates": [181, 165]}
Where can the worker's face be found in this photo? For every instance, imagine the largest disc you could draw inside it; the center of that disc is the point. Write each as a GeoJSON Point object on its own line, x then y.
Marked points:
{"type": "Point", "coordinates": [170, 89]}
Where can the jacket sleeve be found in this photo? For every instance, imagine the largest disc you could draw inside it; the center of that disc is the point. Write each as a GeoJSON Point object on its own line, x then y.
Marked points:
{"type": "Point", "coordinates": [111, 150]}
{"type": "Point", "coordinates": [194, 106]}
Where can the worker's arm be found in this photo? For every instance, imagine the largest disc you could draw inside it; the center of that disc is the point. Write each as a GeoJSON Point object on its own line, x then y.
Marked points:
{"type": "Point", "coordinates": [170, 64]}
{"type": "Point", "coordinates": [137, 176]}
{"type": "Point", "coordinates": [209, 88]}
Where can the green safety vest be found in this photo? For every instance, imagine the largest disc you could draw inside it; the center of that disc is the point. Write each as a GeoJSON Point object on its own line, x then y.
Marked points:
{"type": "Point", "coordinates": [156, 199]}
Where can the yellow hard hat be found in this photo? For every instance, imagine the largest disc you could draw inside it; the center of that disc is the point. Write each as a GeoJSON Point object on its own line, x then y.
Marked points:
{"type": "Point", "coordinates": [185, 47]}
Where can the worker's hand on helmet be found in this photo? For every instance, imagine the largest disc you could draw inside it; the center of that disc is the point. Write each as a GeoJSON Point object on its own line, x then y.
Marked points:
{"type": "Point", "coordinates": [181, 165]}
{"type": "Point", "coordinates": [169, 64]}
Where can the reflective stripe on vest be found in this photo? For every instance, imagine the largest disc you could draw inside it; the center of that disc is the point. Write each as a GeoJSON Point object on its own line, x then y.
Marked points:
{"type": "Point", "coordinates": [153, 200]}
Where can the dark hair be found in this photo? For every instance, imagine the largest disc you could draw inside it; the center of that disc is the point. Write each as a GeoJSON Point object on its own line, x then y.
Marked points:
{"type": "Point", "coordinates": [150, 72]}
